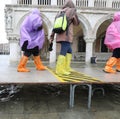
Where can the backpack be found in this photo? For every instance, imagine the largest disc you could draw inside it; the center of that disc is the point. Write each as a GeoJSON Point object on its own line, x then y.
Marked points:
{"type": "Point", "coordinates": [60, 23]}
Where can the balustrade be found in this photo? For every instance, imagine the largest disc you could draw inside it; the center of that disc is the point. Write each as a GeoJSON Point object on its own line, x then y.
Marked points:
{"type": "Point", "coordinates": [24, 2]}
{"type": "Point", "coordinates": [115, 4]}
{"type": "Point", "coordinates": [82, 3]}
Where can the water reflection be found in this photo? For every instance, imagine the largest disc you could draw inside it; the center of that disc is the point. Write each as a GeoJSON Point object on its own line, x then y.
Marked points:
{"type": "Point", "coordinates": [8, 91]}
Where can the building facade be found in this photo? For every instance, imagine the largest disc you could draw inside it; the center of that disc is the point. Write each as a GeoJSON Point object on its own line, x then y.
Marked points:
{"type": "Point", "coordinates": [94, 15]}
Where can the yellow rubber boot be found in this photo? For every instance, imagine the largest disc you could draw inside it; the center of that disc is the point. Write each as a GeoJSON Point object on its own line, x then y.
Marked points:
{"type": "Point", "coordinates": [38, 63]}
{"type": "Point", "coordinates": [68, 62]}
{"type": "Point", "coordinates": [109, 65]}
{"type": "Point", "coordinates": [60, 66]}
{"type": "Point", "coordinates": [118, 65]}
{"type": "Point", "coordinates": [22, 65]}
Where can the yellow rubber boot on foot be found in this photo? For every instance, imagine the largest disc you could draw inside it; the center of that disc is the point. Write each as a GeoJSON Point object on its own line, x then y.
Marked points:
{"type": "Point", "coordinates": [22, 65]}
{"type": "Point", "coordinates": [60, 66]}
{"type": "Point", "coordinates": [68, 62]}
{"type": "Point", "coordinates": [109, 65]}
{"type": "Point", "coordinates": [38, 63]}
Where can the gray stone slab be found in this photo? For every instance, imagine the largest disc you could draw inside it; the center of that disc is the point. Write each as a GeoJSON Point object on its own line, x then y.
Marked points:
{"type": "Point", "coordinates": [10, 75]}
{"type": "Point", "coordinates": [97, 72]}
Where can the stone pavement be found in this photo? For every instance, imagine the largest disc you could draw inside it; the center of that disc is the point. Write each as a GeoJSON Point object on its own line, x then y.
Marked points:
{"type": "Point", "coordinates": [51, 101]}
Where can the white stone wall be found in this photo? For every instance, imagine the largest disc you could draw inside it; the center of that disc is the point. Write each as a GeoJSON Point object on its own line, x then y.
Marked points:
{"type": "Point", "coordinates": [90, 21]}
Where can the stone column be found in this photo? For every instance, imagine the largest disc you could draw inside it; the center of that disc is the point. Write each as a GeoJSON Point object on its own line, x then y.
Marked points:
{"type": "Point", "coordinates": [109, 3]}
{"type": "Point", "coordinates": [53, 53]}
{"type": "Point", "coordinates": [52, 57]}
{"type": "Point", "coordinates": [34, 2]}
{"type": "Point", "coordinates": [74, 1]}
{"type": "Point", "coordinates": [90, 3]}
{"type": "Point", "coordinates": [14, 1]}
{"type": "Point", "coordinates": [53, 2]}
{"type": "Point", "coordinates": [89, 49]}
{"type": "Point", "coordinates": [15, 51]}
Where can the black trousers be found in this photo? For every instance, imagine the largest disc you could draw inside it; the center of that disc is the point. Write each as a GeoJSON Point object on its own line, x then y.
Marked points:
{"type": "Point", "coordinates": [116, 53]}
{"type": "Point", "coordinates": [28, 52]}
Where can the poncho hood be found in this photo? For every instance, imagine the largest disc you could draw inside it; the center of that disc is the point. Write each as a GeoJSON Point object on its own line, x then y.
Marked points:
{"type": "Point", "coordinates": [29, 32]}
{"type": "Point", "coordinates": [116, 17]}
{"type": "Point", "coordinates": [68, 3]}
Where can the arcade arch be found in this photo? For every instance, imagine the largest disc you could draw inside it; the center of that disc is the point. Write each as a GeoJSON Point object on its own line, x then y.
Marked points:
{"type": "Point", "coordinates": [99, 48]}
{"type": "Point", "coordinates": [99, 42]}
{"type": "Point", "coordinates": [80, 33]}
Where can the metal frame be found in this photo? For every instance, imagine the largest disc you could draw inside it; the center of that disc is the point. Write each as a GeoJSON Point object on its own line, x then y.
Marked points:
{"type": "Point", "coordinates": [91, 91]}
{"type": "Point", "coordinates": [72, 93]}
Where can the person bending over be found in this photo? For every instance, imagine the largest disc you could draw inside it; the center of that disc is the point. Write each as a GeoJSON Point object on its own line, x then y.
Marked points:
{"type": "Point", "coordinates": [31, 40]}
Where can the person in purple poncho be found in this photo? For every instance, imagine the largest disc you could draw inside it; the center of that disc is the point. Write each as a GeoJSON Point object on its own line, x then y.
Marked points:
{"type": "Point", "coordinates": [31, 40]}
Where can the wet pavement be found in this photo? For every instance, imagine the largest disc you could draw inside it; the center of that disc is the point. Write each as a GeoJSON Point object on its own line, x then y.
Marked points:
{"type": "Point", "coordinates": [51, 101]}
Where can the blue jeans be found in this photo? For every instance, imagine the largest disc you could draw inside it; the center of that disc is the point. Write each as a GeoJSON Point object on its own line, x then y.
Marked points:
{"type": "Point", "coordinates": [65, 48]}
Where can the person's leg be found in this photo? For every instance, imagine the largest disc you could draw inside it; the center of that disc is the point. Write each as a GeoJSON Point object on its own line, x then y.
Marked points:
{"type": "Point", "coordinates": [37, 59]}
{"type": "Point", "coordinates": [64, 48]}
{"type": "Point", "coordinates": [69, 58]}
{"type": "Point", "coordinates": [60, 66]}
{"type": "Point", "coordinates": [112, 61]}
{"type": "Point", "coordinates": [23, 62]}
{"type": "Point", "coordinates": [117, 55]}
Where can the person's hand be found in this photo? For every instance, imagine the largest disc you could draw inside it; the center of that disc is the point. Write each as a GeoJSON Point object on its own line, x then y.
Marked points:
{"type": "Point", "coordinates": [50, 41]}
{"type": "Point", "coordinates": [50, 46]}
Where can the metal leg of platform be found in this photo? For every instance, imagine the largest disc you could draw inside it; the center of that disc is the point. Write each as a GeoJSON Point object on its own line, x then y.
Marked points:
{"type": "Point", "coordinates": [72, 93]}
{"type": "Point", "coordinates": [100, 88]}
{"type": "Point", "coordinates": [89, 95]}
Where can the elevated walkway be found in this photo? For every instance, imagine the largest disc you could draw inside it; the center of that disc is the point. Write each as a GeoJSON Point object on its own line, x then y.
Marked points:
{"type": "Point", "coordinates": [86, 75]}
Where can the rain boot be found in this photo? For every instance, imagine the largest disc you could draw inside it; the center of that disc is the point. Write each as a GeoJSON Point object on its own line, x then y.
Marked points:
{"type": "Point", "coordinates": [60, 66]}
{"type": "Point", "coordinates": [38, 63]}
{"type": "Point", "coordinates": [118, 65]}
{"type": "Point", "coordinates": [68, 62]}
{"type": "Point", "coordinates": [22, 65]}
{"type": "Point", "coordinates": [109, 65]}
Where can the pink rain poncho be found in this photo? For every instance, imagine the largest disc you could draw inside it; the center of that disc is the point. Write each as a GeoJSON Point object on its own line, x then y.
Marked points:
{"type": "Point", "coordinates": [112, 38]}
{"type": "Point", "coordinates": [29, 32]}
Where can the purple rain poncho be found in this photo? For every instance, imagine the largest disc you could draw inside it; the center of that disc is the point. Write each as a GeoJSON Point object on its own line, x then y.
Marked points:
{"type": "Point", "coordinates": [29, 32]}
{"type": "Point", "coordinates": [112, 38]}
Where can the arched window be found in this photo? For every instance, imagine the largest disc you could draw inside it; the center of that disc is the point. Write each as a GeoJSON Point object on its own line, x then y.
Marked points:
{"type": "Point", "coordinates": [103, 47]}
{"type": "Point", "coordinates": [81, 44]}
{"type": "Point", "coordinates": [100, 46]}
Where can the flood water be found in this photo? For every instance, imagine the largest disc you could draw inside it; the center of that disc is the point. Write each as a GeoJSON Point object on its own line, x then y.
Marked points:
{"type": "Point", "coordinates": [51, 101]}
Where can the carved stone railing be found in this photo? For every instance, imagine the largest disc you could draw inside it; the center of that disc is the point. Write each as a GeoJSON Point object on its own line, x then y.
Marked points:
{"type": "Point", "coordinates": [115, 4]}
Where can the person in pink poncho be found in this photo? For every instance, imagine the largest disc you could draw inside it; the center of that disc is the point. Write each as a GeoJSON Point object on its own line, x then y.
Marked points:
{"type": "Point", "coordinates": [31, 40]}
{"type": "Point", "coordinates": [112, 41]}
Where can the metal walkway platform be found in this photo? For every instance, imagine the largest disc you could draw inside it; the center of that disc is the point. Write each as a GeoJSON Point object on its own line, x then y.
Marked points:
{"type": "Point", "coordinates": [83, 75]}
{"type": "Point", "coordinates": [86, 75]}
